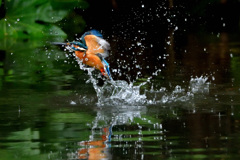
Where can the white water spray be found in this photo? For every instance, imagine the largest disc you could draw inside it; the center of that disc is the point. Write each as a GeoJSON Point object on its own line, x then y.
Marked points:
{"type": "Point", "coordinates": [120, 92]}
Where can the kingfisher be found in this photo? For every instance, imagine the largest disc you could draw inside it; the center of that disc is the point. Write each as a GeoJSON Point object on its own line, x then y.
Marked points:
{"type": "Point", "coordinates": [92, 50]}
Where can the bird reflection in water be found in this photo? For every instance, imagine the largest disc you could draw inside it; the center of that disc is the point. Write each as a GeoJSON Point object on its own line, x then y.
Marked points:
{"type": "Point", "coordinates": [96, 149]}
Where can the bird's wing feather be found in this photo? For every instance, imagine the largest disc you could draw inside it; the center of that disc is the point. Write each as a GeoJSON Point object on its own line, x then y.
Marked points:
{"type": "Point", "coordinates": [96, 45]}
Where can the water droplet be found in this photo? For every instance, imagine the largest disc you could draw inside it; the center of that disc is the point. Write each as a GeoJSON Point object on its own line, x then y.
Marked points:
{"type": "Point", "coordinates": [73, 103]}
{"type": "Point", "coordinates": [139, 43]}
{"type": "Point", "coordinates": [18, 19]}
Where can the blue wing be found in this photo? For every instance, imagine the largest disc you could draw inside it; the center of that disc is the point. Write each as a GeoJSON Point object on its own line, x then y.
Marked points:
{"type": "Point", "coordinates": [91, 32]}
{"type": "Point", "coordinates": [96, 33]}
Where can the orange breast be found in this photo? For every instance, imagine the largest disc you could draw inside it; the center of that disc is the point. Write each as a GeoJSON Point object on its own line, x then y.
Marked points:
{"type": "Point", "coordinates": [90, 60]}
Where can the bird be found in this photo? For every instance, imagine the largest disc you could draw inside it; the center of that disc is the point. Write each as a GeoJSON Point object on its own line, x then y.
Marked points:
{"type": "Point", "coordinates": [92, 50]}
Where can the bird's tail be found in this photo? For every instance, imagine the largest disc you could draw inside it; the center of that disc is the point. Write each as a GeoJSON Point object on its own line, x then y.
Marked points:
{"type": "Point", "coordinates": [107, 68]}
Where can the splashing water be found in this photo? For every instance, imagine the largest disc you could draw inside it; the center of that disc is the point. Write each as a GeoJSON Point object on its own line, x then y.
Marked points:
{"type": "Point", "coordinates": [119, 92]}
{"type": "Point", "coordinates": [199, 85]}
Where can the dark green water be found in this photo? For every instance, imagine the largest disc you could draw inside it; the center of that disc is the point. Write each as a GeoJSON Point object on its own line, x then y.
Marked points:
{"type": "Point", "coordinates": [48, 111]}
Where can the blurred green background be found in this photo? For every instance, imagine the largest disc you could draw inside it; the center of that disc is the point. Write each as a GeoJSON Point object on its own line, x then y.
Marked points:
{"type": "Point", "coordinates": [26, 28]}
{"type": "Point", "coordinates": [38, 18]}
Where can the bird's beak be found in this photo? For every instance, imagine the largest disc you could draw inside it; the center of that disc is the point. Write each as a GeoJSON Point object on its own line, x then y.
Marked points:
{"type": "Point", "coordinates": [69, 46]}
{"type": "Point", "coordinates": [59, 43]}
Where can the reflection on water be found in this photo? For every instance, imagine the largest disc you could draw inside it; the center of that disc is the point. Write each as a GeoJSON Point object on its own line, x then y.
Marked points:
{"type": "Point", "coordinates": [188, 110]}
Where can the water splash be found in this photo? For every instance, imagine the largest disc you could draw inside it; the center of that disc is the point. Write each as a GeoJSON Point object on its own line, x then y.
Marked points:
{"type": "Point", "coordinates": [199, 85]}
{"type": "Point", "coordinates": [119, 92]}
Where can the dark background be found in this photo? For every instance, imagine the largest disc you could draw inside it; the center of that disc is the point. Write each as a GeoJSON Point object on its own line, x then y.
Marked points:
{"type": "Point", "coordinates": [121, 14]}
{"type": "Point", "coordinates": [126, 23]}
